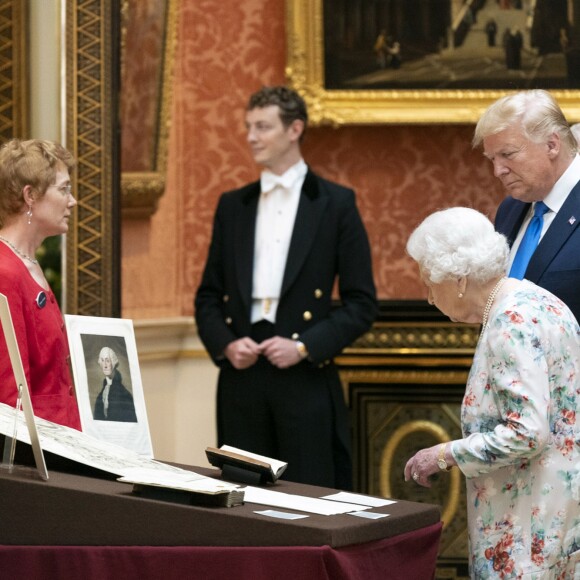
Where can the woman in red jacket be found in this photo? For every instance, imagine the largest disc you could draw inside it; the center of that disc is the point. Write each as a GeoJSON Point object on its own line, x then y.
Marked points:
{"type": "Point", "coordinates": [36, 202]}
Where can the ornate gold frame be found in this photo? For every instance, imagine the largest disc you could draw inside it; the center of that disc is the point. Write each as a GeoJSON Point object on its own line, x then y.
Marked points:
{"type": "Point", "coordinates": [92, 244]}
{"type": "Point", "coordinates": [305, 72]}
{"type": "Point", "coordinates": [14, 71]}
{"type": "Point", "coordinates": [439, 434]}
{"type": "Point", "coordinates": [141, 191]}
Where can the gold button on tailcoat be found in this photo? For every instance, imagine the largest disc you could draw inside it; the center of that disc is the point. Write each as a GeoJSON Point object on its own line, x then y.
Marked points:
{"type": "Point", "coordinates": [307, 315]}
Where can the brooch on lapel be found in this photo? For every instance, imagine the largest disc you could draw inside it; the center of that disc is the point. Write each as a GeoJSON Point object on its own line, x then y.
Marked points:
{"type": "Point", "coordinates": [572, 220]}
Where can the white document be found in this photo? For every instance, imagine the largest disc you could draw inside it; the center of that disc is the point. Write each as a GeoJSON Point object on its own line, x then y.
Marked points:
{"type": "Point", "coordinates": [79, 447]}
{"type": "Point", "coordinates": [281, 515]}
{"type": "Point", "coordinates": [183, 480]}
{"type": "Point", "coordinates": [369, 515]}
{"type": "Point", "coordinates": [297, 502]}
{"type": "Point", "coordinates": [359, 498]}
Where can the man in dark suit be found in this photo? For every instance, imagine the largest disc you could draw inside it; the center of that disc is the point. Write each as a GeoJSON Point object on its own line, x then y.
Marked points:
{"type": "Point", "coordinates": [114, 402]}
{"type": "Point", "coordinates": [264, 306]}
{"type": "Point", "coordinates": [534, 154]}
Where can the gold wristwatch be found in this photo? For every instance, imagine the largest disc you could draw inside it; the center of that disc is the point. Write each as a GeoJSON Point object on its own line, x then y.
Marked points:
{"type": "Point", "coordinates": [441, 463]}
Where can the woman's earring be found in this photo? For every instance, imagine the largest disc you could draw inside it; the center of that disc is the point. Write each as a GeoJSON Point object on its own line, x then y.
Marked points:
{"type": "Point", "coordinates": [29, 214]}
{"type": "Point", "coordinates": [460, 295]}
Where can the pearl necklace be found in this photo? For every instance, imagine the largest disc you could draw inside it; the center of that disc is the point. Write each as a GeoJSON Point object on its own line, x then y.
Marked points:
{"type": "Point", "coordinates": [490, 300]}
{"type": "Point", "coordinates": [21, 254]}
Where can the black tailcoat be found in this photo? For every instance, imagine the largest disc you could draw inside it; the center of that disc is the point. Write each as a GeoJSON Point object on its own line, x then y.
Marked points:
{"type": "Point", "coordinates": [328, 244]}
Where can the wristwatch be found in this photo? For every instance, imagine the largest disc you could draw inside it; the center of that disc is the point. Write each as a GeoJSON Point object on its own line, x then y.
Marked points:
{"type": "Point", "coordinates": [301, 348]}
{"type": "Point", "coordinates": [441, 463]}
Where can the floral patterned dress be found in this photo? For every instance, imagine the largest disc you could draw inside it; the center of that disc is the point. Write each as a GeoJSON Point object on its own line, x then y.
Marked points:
{"type": "Point", "coordinates": [521, 448]}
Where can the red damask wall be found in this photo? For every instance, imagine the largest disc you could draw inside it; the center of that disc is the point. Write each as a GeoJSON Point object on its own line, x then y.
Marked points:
{"type": "Point", "coordinates": [225, 51]}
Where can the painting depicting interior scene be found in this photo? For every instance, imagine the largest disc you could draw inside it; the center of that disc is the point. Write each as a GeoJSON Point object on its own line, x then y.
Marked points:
{"type": "Point", "coordinates": [452, 44]}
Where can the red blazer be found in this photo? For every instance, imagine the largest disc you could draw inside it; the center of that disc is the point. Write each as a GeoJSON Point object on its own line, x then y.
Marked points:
{"type": "Point", "coordinates": [43, 346]}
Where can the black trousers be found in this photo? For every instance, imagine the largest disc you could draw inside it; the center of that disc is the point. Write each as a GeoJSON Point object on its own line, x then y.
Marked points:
{"type": "Point", "coordinates": [296, 415]}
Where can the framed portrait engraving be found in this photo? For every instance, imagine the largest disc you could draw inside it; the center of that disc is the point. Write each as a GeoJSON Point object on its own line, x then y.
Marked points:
{"type": "Point", "coordinates": [429, 61]}
{"type": "Point", "coordinates": [108, 384]}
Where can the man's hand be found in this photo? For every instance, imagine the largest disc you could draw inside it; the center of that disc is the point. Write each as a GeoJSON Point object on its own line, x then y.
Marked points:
{"type": "Point", "coordinates": [281, 352]}
{"type": "Point", "coordinates": [242, 353]}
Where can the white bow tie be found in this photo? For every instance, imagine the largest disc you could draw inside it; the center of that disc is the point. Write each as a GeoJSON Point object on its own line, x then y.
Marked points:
{"type": "Point", "coordinates": [269, 181]}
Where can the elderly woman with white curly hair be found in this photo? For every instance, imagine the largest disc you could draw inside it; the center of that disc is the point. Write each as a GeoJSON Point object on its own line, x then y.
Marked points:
{"type": "Point", "coordinates": [520, 417]}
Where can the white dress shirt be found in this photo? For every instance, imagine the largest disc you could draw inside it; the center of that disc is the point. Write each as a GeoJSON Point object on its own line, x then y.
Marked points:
{"type": "Point", "coordinates": [277, 210]}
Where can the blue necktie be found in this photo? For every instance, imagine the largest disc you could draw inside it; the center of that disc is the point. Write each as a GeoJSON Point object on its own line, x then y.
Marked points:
{"type": "Point", "coordinates": [529, 242]}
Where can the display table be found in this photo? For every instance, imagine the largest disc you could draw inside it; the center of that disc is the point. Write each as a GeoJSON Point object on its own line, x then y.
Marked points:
{"type": "Point", "coordinates": [80, 526]}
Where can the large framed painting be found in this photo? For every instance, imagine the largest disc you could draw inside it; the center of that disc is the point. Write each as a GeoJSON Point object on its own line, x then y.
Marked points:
{"type": "Point", "coordinates": [429, 61]}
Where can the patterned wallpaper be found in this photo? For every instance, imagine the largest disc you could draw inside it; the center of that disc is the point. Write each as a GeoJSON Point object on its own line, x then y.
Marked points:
{"type": "Point", "coordinates": [226, 50]}
{"type": "Point", "coordinates": [142, 50]}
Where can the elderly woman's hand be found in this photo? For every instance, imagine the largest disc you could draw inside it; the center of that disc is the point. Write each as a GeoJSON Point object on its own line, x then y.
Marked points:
{"type": "Point", "coordinates": [422, 465]}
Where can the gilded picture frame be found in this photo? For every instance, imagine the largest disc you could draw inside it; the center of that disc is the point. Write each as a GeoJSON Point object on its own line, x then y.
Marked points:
{"type": "Point", "coordinates": [306, 73]}
{"type": "Point", "coordinates": [147, 29]}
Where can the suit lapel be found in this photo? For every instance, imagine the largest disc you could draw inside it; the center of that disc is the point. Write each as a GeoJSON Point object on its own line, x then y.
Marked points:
{"type": "Point", "coordinates": [564, 224]}
{"type": "Point", "coordinates": [308, 218]}
{"type": "Point", "coordinates": [245, 234]}
{"type": "Point", "coordinates": [514, 220]}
